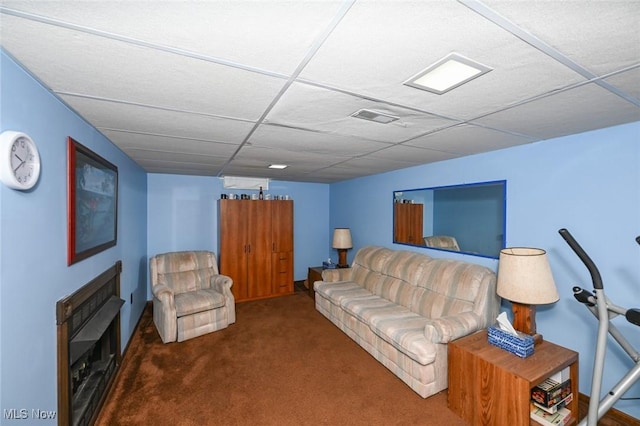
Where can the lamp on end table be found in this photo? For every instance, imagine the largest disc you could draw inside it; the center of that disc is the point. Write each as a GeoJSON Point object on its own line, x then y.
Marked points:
{"type": "Point", "coordinates": [525, 279]}
{"type": "Point", "coordinates": [342, 242]}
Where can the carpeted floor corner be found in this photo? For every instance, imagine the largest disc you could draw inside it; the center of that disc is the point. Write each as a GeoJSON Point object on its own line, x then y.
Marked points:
{"type": "Point", "coordinates": [281, 363]}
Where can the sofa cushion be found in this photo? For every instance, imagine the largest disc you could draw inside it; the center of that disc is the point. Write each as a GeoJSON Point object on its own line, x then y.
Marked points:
{"type": "Point", "coordinates": [180, 282]}
{"type": "Point", "coordinates": [364, 307]}
{"type": "Point", "coordinates": [449, 287]}
{"type": "Point", "coordinates": [395, 324]}
{"type": "Point", "coordinates": [338, 291]}
{"type": "Point", "coordinates": [406, 333]}
{"type": "Point", "coordinates": [198, 301]}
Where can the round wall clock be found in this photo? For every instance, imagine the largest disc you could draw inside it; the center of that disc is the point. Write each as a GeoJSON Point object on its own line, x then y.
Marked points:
{"type": "Point", "coordinates": [19, 160]}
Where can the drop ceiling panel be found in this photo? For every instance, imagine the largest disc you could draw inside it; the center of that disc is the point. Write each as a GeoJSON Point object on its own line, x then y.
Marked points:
{"type": "Point", "coordinates": [628, 81]}
{"type": "Point", "coordinates": [135, 118]}
{"type": "Point", "coordinates": [369, 165]}
{"type": "Point", "coordinates": [410, 155]}
{"type": "Point", "coordinates": [468, 139]}
{"type": "Point", "coordinates": [179, 168]}
{"type": "Point", "coordinates": [176, 158]}
{"type": "Point", "coordinates": [274, 36]}
{"type": "Point", "coordinates": [602, 45]}
{"type": "Point", "coordinates": [331, 112]}
{"type": "Point", "coordinates": [312, 141]}
{"type": "Point", "coordinates": [121, 71]}
{"type": "Point", "coordinates": [361, 57]}
{"type": "Point", "coordinates": [598, 109]}
{"type": "Point", "coordinates": [143, 142]}
{"type": "Point", "coordinates": [263, 157]}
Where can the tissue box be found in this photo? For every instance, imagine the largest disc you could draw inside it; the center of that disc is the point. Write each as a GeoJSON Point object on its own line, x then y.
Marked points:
{"type": "Point", "coordinates": [327, 265]}
{"type": "Point", "coordinates": [521, 345]}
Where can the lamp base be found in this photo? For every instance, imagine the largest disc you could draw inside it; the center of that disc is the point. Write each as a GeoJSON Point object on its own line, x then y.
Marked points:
{"type": "Point", "coordinates": [537, 339]}
{"type": "Point", "coordinates": [524, 320]}
{"type": "Point", "coordinates": [342, 258]}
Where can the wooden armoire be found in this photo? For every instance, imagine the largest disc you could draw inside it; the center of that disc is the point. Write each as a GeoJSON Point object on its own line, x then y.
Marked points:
{"type": "Point", "coordinates": [407, 223]}
{"type": "Point", "coordinates": [256, 247]}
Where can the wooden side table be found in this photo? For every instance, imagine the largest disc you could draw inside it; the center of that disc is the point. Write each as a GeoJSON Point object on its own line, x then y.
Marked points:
{"type": "Point", "coordinates": [315, 274]}
{"type": "Point", "coordinates": [490, 386]}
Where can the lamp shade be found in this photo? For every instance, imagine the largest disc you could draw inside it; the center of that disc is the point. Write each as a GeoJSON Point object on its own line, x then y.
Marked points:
{"type": "Point", "coordinates": [524, 276]}
{"type": "Point", "coordinates": [342, 238]}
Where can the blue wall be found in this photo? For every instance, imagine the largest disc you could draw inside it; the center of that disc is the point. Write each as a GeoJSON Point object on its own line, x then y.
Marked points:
{"type": "Point", "coordinates": [33, 244]}
{"type": "Point", "coordinates": [183, 215]}
{"type": "Point", "coordinates": [588, 183]}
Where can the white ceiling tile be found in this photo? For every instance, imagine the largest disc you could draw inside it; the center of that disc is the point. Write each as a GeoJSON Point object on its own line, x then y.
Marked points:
{"type": "Point", "coordinates": [269, 35]}
{"type": "Point", "coordinates": [602, 36]}
{"type": "Point", "coordinates": [312, 141]}
{"type": "Point", "coordinates": [411, 154]}
{"type": "Point", "coordinates": [599, 108]}
{"type": "Point", "coordinates": [121, 71]}
{"type": "Point", "coordinates": [144, 142]}
{"type": "Point", "coordinates": [379, 45]}
{"type": "Point", "coordinates": [629, 81]}
{"type": "Point", "coordinates": [468, 140]}
{"type": "Point", "coordinates": [331, 112]}
{"type": "Point", "coordinates": [179, 169]}
{"type": "Point", "coordinates": [134, 118]}
{"type": "Point", "coordinates": [263, 157]}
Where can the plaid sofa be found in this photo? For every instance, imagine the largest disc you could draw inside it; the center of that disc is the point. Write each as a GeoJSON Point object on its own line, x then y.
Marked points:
{"type": "Point", "coordinates": [404, 307]}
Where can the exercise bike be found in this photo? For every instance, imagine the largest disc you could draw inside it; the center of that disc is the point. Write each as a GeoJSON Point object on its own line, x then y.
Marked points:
{"type": "Point", "coordinates": [604, 310]}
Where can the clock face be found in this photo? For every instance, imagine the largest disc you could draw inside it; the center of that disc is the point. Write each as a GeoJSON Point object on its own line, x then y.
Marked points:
{"type": "Point", "coordinates": [19, 160]}
{"type": "Point", "coordinates": [23, 160]}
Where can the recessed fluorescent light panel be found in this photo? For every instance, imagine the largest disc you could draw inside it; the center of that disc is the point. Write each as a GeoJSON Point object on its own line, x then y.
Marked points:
{"type": "Point", "coordinates": [278, 166]}
{"type": "Point", "coordinates": [378, 117]}
{"type": "Point", "coordinates": [448, 73]}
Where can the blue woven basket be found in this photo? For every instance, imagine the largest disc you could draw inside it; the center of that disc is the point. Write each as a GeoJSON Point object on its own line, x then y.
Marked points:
{"type": "Point", "coordinates": [521, 345]}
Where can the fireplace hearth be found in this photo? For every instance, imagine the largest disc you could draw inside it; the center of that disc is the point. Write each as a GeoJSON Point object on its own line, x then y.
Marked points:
{"type": "Point", "coordinates": [88, 323]}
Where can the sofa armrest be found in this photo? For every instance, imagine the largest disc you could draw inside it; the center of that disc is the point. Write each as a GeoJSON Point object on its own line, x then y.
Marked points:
{"type": "Point", "coordinates": [335, 275]}
{"type": "Point", "coordinates": [445, 329]}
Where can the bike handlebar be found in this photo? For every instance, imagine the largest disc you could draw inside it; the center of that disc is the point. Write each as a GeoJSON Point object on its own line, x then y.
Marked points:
{"type": "Point", "coordinates": [593, 270]}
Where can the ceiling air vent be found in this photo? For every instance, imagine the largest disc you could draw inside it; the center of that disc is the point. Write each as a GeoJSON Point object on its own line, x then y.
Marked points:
{"type": "Point", "coordinates": [378, 117]}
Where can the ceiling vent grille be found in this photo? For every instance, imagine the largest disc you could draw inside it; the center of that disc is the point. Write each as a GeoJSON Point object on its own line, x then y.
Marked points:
{"type": "Point", "coordinates": [378, 117]}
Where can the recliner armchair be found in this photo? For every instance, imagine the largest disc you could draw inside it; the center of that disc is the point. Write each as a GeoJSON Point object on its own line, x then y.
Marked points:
{"type": "Point", "coordinates": [442, 241]}
{"type": "Point", "coordinates": [190, 297]}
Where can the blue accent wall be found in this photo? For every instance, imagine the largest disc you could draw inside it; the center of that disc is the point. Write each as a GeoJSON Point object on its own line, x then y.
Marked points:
{"type": "Point", "coordinates": [183, 215]}
{"type": "Point", "coordinates": [33, 246]}
{"type": "Point", "coordinates": [588, 183]}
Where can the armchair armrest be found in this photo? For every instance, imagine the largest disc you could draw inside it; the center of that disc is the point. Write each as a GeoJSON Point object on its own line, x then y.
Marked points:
{"type": "Point", "coordinates": [164, 294]}
{"type": "Point", "coordinates": [221, 283]}
{"type": "Point", "coordinates": [445, 329]}
{"type": "Point", "coordinates": [335, 275]}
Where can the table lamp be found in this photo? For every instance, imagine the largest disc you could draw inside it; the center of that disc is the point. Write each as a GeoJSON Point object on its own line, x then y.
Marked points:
{"type": "Point", "coordinates": [342, 242]}
{"type": "Point", "coordinates": [524, 278]}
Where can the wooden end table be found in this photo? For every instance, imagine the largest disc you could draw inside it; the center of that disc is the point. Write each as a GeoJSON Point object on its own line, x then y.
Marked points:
{"type": "Point", "coordinates": [490, 386]}
{"type": "Point", "coordinates": [315, 274]}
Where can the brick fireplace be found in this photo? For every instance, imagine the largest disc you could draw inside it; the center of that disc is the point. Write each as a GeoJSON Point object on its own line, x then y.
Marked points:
{"type": "Point", "coordinates": [88, 323]}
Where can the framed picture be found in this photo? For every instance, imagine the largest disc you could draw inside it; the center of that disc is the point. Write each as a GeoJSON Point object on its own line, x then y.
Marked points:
{"type": "Point", "coordinates": [92, 203]}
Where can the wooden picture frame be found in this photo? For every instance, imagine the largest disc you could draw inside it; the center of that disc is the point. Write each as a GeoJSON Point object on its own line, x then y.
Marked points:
{"type": "Point", "coordinates": [92, 202]}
